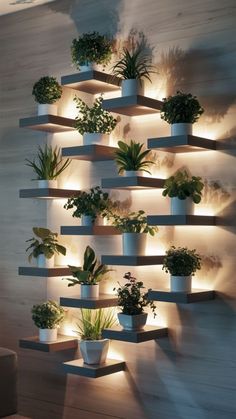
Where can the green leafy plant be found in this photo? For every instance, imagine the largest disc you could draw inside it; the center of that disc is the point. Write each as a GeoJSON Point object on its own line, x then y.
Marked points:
{"type": "Point", "coordinates": [47, 90]}
{"type": "Point", "coordinates": [131, 297]}
{"type": "Point", "coordinates": [91, 273]}
{"type": "Point", "coordinates": [181, 261]}
{"type": "Point", "coordinates": [45, 244]}
{"type": "Point", "coordinates": [47, 315]}
{"type": "Point", "coordinates": [91, 47]}
{"type": "Point", "coordinates": [131, 157]}
{"type": "Point", "coordinates": [94, 119]}
{"type": "Point", "coordinates": [133, 222]}
{"type": "Point", "coordinates": [182, 107]}
{"type": "Point", "coordinates": [92, 323]}
{"type": "Point", "coordinates": [48, 163]}
{"type": "Point", "coordinates": [182, 186]}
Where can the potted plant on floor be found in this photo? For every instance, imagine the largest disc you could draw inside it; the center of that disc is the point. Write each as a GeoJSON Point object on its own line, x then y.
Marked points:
{"type": "Point", "coordinates": [184, 191]}
{"type": "Point", "coordinates": [94, 123]}
{"type": "Point", "coordinates": [132, 299]}
{"type": "Point", "coordinates": [181, 263]}
{"type": "Point", "coordinates": [89, 275]}
{"type": "Point", "coordinates": [181, 111]}
{"type": "Point", "coordinates": [90, 49]}
{"type": "Point", "coordinates": [131, 159]}
{"type": "Point", "coordinates": [47, 317]}
{"type": "Point", "coordinates": [93, 348]}
{"type": "Point", "coordinates": [48, 165]}
{"type": "Point", "coordinates": [46, 92]}
{"type": "Point", "coordinates": [44, 246]}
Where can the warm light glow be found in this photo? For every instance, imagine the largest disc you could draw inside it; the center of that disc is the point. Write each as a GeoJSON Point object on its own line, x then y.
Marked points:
{"type": "Point", "coordinates": [70, 184]}
{"type": "Point", "coordinates": [68, 329]}
{"type": "Point", "coordinates": [153, 117]}
{"type": "Point", "coordinates": [203, 210]}
{"type": "Point", "coordinates": [154, 249]}
{"type": "Point", "coordinates": [113, 354]}
{"type": "Point", "coordinates": [69, 110]}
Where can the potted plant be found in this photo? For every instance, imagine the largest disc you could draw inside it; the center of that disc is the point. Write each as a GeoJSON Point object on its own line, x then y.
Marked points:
{"type": "Point", "coordinates": [94, 123]}
{"type": "Point", "coordinates": [132, 299]}
{"type": "Point", "coordinates": [48, 165]}
{"type": "Point", "coordinates": [131, 159]}
{"type": "Point", "coordinates": [47, 317]}
{"type": "Point", "coordinates": [89, 275]}
{"type": "Point", "coordinates": [133, 67]}
{"type": "Point", "coordinates": [93, 348]}
{"type": "Point", "coordinates": [181, 111]}
{"type": "Point", "coordinates": [181, 263]}
{"type": "Point", "coordinates": [90, 49]}
{"type": "Point", "coordinates": [44, 246]}
{"type": "Point", "coordinates": [134, 230]}
{"type": "Point", "coordinates": [46, 92]}
{"type": "Point", "coordinates": [184, 191]}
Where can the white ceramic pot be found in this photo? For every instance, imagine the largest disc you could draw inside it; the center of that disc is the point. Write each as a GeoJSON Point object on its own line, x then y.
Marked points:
{"type": "Point", "coordinates": [136, 322]}
{"type": "Point", "coordinates": [88, 67]}
{"type": "Point", "coordinates": [181, 206]}
{"type": "Point", "coordinates": [89, 291]}
{"type": "Point", "coordinates": [43, 262]}
{"type": "Point", "coordinates": [86, 221]}
{"type": "Point", "coordinates": [44, 183]}
{"type": "Point", "coordinates": [47, 109]}
{"type": "Point", "coordinates": [134, 244]}
{"type": "Point", "coordinates": [95, 138]}
{"type": "Point", "coordinates": [129, 173]}
{"type": "Point", "coordinates": [181, 129]}
{"type": "Point", "coordinates": [180, 283]}
{"type": "Point", "coordinates": [132, 87]}
{"type": "Point", "coordinates": [47, 335]}
{"type": "Point", "coordinates": [94, 351]}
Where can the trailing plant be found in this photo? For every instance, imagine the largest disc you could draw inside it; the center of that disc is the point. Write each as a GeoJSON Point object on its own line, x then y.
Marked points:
{"type": "Point", "coordinates": [91, 47]}
{"type": "Point", "coordinates": [182, 186]}
{"type": "Point", "coordinates": [94, 119]}
{"type": "Point", "coordinates": [45, 244]}
{"type": "Point", "coordinates": [47, 315]}
{"type": "Point", "coordinates": [92, 323]}
{"type": "Point", "coordinates": [182, 107]}
{"type": "Point", "coordinates": [48, 163]}
{"type": "Point", "coordinates": [131, 297]}
{"type": "Point", "coordinates": [131, 157]}
{"type": "Point", "coordinates": [47, 90]}
{"type": "Point", "coordinates": [91, 273]}
{"type": "Point", "coordinates": [181, 261]}
{"type": "Point", "coordinates": [133, 222]}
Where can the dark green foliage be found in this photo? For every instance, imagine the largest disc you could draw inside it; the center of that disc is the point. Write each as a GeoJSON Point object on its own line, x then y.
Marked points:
{"type": "Point", "coordinates": [45, 244]}
{"type": "Point", "coordinates": [93, 322]}
{"type": "Point", "coordinates": [181, 261]}
{"type": "Point", "coordinates": [131, 157]}
{"type": "Point", "coordinates": [48, 164]}
{"type": "Point", "coordinates": [47, 315]}
{"type": "Point", "coordinates": [47, 90]}
{"type": "Point", "coordinates": [182, 186]}
{"type": "Point", "coordinates": [91, 47]}
{"type": "Point", "coordinates": [182, 107]}
{"type": "Point", "coordinates": [133, 222]}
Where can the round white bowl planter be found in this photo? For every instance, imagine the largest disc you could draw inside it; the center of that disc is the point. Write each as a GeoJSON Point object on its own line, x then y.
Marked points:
{"type": "Point", "coordinates": [132, 87]}
{"type": "Point", "coordinates": [89, 291]}
{"type": "Point", "coordinates": [135, 322]}
{"type": "Point", "coordinates": [180, 283]}
{"type": "Point", "coordinates": [44, 262]}
{"type": "Point", "coordinates": [94, 351]}
{"type": "Point", "coordinates": [45, 183]}
{"type": "Point", "coordinates": [95, 138]}
{"type": "Point", "coordinates": [181, 129]}
{"type": "Point", "coordinates": [47, 335]}
{"type": "Point", "coordinates": [86, 221]}
{"type": "Point", "coordinates": [129, 173]}
{"type": "Point", "coordinates": [181, 206]}
{"type": "Point", "coordinates": [134, 244]}
{"type": "Point", "coordinates": [47, 109]}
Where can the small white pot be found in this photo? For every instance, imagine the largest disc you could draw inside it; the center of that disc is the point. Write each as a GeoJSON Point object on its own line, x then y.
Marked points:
{"type": "Point", "coordinates": [44, 262]}
{"type": "Point", "coordinates": [43, 183]}
{"type": "Point", "coordinates": [86, 221]}
{"type": "Point", "coordinates": [181, 206]}
{"type": "Point", "coordinates": [95, 138]}
{"type": "Point", "coordinates": [89, 291]}
{"type": "Point", "coordinates": [47, 109]}
{"type": "Point", "coordinates": [94, 351]}
{"type": "Point", "coordinates": [134, 244]}
{"type": "Point", "coordinates": [180, 283]}
{"type": "Point", "coordinates": [129, 173]}
{"type": "Point", "coordinates": [181, 129]}
{"type": "Point", "coordinates": [132, 87]}
{"type": "Point", "coordinates": [136, 322]}
{"type": "Point", "coordinates": [88, 67]}
{"type": "Point", "coordinates": [47, 335]}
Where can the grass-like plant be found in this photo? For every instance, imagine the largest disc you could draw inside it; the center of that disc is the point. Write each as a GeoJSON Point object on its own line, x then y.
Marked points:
{"type": "Point", "coordinates": [131, 157]}
{"type": "Point", "coordinates": [48, 164]}
{"type": "Point", "coordinates": [182, 186]}
{"type": "Point", "coordinates": [91, 47]}
{"type": "Point", "coordinates": [47, 90]}
{"type": "Point", "coordinates": [133, 222]}
{"type": "Point", "coordinates": [45, 243]}
{"type": "Point", "coordinates": [181, 261]}
{"type": "Point", "coordinates": [182, 107]}
{"type": "Point", "coordinates": [47, 315]}
{"type": "Point", "coordinates": [92, 323]}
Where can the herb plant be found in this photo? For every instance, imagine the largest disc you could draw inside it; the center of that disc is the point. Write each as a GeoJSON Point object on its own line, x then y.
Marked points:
{"type": "Point", "coordinates": [45, 244]}
{"type": "Point", "coordinates": [182, 107]}
{"type": "Point", "coordinates": [48, 163]}
{"type": "Point", "coordinates": [133, 222]}
{"type": "Point", "coordinates": [47, 90]}
{"type": "Point", "coordinates": [181, 261]}
{"type": "Point", "coordinates": [47, 315]}
{"type": "Point", "coordinates": [131, 157]}
{"type": "Point", "coordinates": [92, 323]}
{"type": "Point", "coordinates": [182, 186]}
{"type": "Point", "coordinates": [91, 47]}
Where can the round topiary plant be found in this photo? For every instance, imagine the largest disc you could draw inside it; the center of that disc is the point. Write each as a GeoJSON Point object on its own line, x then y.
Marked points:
{"type": "Point", "coordinates": [47, 90]}
{"type": "Point", "coordinates": [47, 315]}
{"type": "Point", "coordinates": [181, 108]}
{"type": "Point", "coordinates": [181, 261]}
{"type": "Point", "coordinates": [91, 47]}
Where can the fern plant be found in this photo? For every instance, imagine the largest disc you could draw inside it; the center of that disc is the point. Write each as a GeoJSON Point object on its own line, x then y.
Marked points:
{"type": "Point", "coordinates": [131, 157]}
{"type": "Point", "coordinates": [48, 164]}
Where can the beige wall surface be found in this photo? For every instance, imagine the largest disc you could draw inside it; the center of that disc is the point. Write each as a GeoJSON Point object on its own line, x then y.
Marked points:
{"type": "Point", "coordinates": [190, 374]}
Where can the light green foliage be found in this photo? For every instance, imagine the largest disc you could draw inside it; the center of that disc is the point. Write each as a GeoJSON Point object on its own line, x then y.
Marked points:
{"type": "Point", "coordinates": [45, 243]}
{"type": "Point", "coordinates": [182, 186]}
{"type": "Point", "coordinates": [92, 323]}
{"type": "Point", "coordinates": [47, 315]}
{"type": "Point", "coordinates": [91, 47]}
{"type": "Point", "coordinates": [47, 90]}
{"type": "Point", "coordinates": [180, 261]}
{"type": "Point", "coordinates": [133, 222]}
{"type": "Point", "coordinates": [182, 107]}
{"type": "Point", "coordinates": [131, 157]}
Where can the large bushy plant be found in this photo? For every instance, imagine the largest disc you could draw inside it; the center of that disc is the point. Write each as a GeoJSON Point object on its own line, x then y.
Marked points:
{"type": "Point", "coordinates": [47, 315]}
{"type": "Point", "coordinates": [93, 322]}
{"type": "Point", "coordinates": [181, 261]}
{"type": "Point", "coordinates": [132, 157]}
{"type": "Point", "coordinates": [45, 243]}
{"type": "Point", "coordinates": [91, 47]}
{"type": "Point", "coordinates": [182, 186]}
{"type": "Point", "coordinates": [181, 108]}
{"type": "Point", "coordinates": [133, 222]}
{"type": "Point", "coordinates": [47, 90]}
{"type": "Point", "coordinates": [48, 164]}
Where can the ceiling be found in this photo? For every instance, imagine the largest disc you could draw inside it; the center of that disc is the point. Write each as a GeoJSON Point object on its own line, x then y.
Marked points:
{"type": "Point", "coordinates": [11, 6]}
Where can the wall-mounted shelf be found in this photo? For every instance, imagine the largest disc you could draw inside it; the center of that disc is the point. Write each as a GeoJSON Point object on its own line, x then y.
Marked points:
{"type": "Point", "coordinates": [44, 272]}
{"type": "Point", "coordinates": [132, 260]}
{"type": "Point", "coordinates": [47, 193]}
{"type": "Point", "coordinates": [96, 230]}
{"type": "Point", "coordinates": [61, 344]}
{"type": "Point", "coordinates": [91, 82]}
{"type": "Point", "coordinates": [194, 296]}
{"type": "Point", "coordinates": [134, 182]}
{"type": "Point", "coordinates": [48, 123]}
{"type": "Point", "coordinates": [171, 220]}
{"type": "Point", "coordinates": [132, 105]}
{"type": "Point", "coordinates": [94, 152]}
{"type": "Point", "coordinates": [182, 144]}
{"type": "Point", "coordinates": [104, 300]}
{"type": "Point", "coordinates": [78, 367]}
{"type": "Point", "coordinates": [148, 333]}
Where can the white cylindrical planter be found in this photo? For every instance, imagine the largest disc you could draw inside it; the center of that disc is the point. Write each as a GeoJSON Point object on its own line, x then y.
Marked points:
{"type": "Point", "coordinates": [47, 335]}
{"type": "Point", "coordinates": [87, 67]}
{"type": "Point", "coordinates": [136, 322]}
{"type": "Point", "coordinates": [94, 351]}
{"type": "Point", "coordinates": [132, 87]}
{"type": "Point", "coordinates": [180, 283]}
{"type": "Point", "coordinates": [86, 221]}
{"type": "Point", "coordinates": [181, 129]}
{"type": "Point", "coordinates": [95, 138]}
{"type": "Point", "coordinates": [44, 262]}
{"type": "Point", "coordinates": [181, 206]}
{"type": "Point", "coordinates": [44, 183]}
{"type": "Point", "coordinates": [129, 173]}
{"type": "Point", "coordinates": [134, 244]}
{"type": "Point", "coordinates": [89, 291]}
{"type": "Point", "coordinates": [47, 109]}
